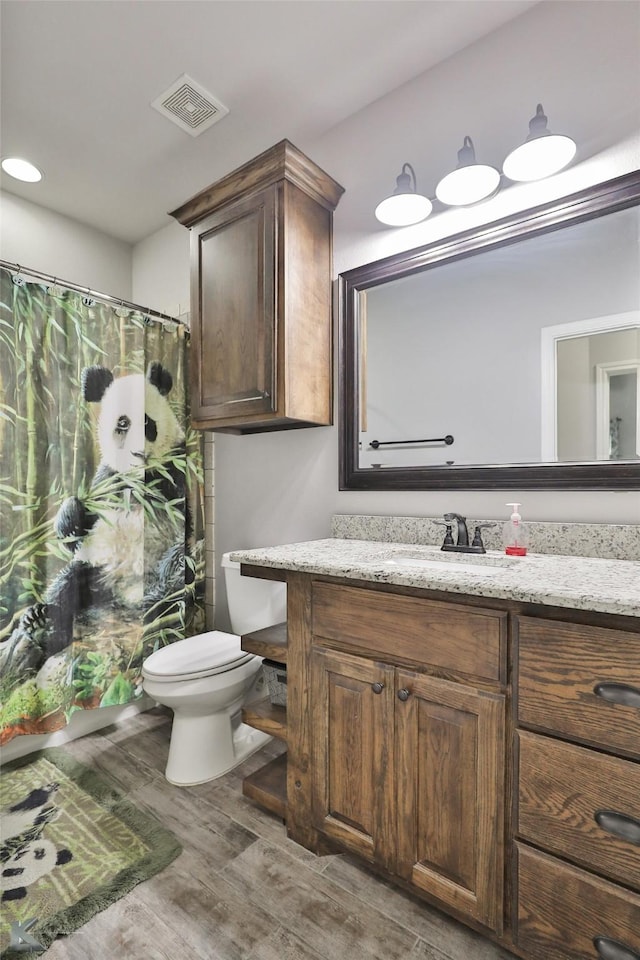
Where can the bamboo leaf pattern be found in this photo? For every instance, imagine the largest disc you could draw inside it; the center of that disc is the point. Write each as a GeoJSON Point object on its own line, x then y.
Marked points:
{"type": "Point", "coordinates": [49, 452]}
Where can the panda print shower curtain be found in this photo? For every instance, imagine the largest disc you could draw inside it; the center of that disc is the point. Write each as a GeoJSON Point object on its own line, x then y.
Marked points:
{"type": "Point", "coordinates": [101, 502]}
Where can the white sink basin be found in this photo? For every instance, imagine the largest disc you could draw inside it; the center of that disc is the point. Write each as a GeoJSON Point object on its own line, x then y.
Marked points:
{"type": "Point", "coordinates": [465, 563]}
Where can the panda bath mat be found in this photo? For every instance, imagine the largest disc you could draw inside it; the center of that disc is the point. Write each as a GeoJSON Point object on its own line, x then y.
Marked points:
{"type": "Point", "coordinates": [70, 846]}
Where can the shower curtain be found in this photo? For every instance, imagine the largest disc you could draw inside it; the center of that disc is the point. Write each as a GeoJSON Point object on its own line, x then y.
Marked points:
{"type": "Point", "coordinates": [101, 502]}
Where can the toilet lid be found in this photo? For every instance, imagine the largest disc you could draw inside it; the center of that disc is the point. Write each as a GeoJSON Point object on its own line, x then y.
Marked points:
{"type": "Point", "coordinates": [201, 656]}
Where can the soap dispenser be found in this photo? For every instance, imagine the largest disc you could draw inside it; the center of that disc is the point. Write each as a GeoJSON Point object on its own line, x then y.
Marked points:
{"type": "Point", "coordinates": [514, 534]}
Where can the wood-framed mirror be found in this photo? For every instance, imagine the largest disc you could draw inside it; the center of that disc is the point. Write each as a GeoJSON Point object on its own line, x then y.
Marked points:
{"type": "Point", "coordinates": [445, 377]}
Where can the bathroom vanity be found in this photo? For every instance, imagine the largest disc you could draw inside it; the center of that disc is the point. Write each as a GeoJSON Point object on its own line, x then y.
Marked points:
{"type": "Point", "coordinates": [470, 729]}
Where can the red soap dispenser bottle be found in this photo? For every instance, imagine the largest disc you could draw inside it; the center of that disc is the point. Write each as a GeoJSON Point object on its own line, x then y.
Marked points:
{"type": "Point", "coordinates": [514, 534]}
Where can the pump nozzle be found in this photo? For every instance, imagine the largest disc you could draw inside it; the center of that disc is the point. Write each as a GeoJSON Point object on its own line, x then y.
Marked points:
{"type": "Point", "coordinates": [515, 516]}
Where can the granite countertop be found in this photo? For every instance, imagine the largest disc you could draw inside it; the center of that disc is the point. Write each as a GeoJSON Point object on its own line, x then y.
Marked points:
{"type": "Point", "coordinates": [582, 583]}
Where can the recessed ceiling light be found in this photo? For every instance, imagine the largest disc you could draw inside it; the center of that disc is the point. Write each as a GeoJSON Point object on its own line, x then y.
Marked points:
{"type": "Point", "coordinates": [21, 169]}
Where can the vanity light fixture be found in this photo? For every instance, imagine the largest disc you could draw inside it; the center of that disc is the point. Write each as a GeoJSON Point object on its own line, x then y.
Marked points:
{"type": "Point", "coordinates": [21, 169]}
{"type": "Point", "coordinates": [405, 205]}
{"type": "Point", "coordinates": [470, 181]}
{"type": "Point", "coordinates": [542, 154]}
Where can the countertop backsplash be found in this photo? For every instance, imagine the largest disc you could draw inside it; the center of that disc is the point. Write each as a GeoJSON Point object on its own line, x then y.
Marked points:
{"type": "Point", "coordinates": [608, 541]}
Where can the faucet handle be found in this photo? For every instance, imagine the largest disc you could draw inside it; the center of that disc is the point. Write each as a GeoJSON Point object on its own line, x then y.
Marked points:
{"type": "Point", "coordinates": [477, 535]}
{"type": "Point", "coordinates": [448, 537]}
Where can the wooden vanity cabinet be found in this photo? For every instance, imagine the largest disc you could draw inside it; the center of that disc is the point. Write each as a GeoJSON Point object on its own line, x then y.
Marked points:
{"type": "Point", "coordinates": [261, 313]}
{"type": "Point", "coordinates": [482, 754]}
{"type": "Point", "coordinates": [407, 767]}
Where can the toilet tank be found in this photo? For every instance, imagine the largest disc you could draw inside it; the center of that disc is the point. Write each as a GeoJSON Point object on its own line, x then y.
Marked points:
{"type": "Point", "coordinates": [253, 603]}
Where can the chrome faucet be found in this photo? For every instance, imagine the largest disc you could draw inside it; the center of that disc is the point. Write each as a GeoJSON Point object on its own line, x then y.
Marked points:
{"type": "Point", "coordinates": [462, 543]}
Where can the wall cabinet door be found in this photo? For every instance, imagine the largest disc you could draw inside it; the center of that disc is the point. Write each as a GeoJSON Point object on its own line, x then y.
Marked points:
{"type": "Point", "coordinates": [261, 249]}
{"type": "Point", "coordinates": [353, 753]}
{"type": "Point", "coordinates": [450, 781]}
{"type": "Point", "coordinates": [408, 771]}
{"type": "Point", "coordinates": [233, 292]}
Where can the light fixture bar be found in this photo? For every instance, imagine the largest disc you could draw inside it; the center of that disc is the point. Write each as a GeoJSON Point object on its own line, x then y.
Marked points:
{"type": "Point", "coordinates": [541, 155]}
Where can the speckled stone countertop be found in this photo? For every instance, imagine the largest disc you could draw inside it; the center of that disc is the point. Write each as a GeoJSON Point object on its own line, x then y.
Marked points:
{"type": "Point", "coordinates": [582, 583]}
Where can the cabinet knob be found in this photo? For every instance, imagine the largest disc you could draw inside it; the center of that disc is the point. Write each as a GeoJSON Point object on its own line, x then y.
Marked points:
{"type": "Point", "coordinates": [622, 693]}
{"type": "Point", "coordinates": [609, 949]}
{"type": "Point", "coordinates": [619, 824]}
{"type": "Point", "coordinates": [403, 694]}
{"type": "Point", "coordinates": [377, 687]}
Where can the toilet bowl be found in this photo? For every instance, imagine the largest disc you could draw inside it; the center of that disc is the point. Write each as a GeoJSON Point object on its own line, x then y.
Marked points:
{"type": "Point", "coordinates": [207, 678]}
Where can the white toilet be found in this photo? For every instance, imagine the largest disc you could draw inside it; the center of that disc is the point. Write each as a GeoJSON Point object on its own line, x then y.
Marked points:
{"type": "Point", "coordinates": [207, 678]}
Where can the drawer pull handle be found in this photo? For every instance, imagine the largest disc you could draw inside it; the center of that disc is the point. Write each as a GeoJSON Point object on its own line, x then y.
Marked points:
{"type": "Point", "coordinates": [403, 694]}
{"type": "Point", "coordinates": [377, 687]}
{"type": "Point", "coordinates": [619, 824]}
{"type": "Point", "coordinates": [621, 693]}
{"type": "Point", "coordinates": [609, 949]}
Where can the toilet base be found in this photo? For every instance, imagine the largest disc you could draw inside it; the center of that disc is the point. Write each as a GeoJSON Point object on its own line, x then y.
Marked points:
{"type": "Point", "coordinates": [204, 748]}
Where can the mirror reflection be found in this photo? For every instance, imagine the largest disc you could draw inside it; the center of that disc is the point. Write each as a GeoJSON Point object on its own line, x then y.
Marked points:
{"type": "Point", "coordinates": [525, 354]}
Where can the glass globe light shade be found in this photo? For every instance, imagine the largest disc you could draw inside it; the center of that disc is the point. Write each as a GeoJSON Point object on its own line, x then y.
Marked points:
{"type": "Point", "coordinates": [468, 185]}
{"type": "Point", "coordinates": [470, 181]}
{"type": "Point", "coordinates": [539, 158]}
{"type": "Point", "coordinates": [542, 154]}
{"type": "Point", "coordinates": [405, 205]}
{"type": "Point", "coordinates": [403, 209]}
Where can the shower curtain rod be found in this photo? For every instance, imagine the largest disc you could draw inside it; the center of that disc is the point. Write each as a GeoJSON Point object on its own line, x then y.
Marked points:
{"type": "Point", "coordinates": [94, 294]}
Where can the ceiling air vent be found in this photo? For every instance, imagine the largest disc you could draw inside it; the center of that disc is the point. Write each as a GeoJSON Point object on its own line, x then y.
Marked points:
{"type": "Point", "coordinates": [189, 106]}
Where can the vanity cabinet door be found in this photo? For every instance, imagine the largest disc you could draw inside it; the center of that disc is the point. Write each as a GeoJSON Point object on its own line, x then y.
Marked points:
{"type": "Point", "coordinates": [353, 753]}
{"type": "Point", "coordinates": [408, 772]}
{"type": "Point", "coordinates": [450, 762]}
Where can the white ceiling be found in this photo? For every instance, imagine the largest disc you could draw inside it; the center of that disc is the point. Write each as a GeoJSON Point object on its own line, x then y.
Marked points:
{"type": "Point", "coordinates": [78, 77]}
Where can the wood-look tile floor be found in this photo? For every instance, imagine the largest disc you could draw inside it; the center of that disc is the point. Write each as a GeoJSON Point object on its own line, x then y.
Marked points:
{"type": "Point", "coordinates": [241, 890]}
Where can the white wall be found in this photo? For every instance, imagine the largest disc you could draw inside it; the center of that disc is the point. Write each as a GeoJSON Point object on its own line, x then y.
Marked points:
{"type": "Point", "coordinates": [582, 61]}
{"type": "Point", "coordinates": [161, 270]}
{"type": "Point", "coordinates": [46, 241]}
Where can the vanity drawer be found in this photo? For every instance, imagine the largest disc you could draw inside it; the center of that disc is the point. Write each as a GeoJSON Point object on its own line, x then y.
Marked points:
{"type": "Point", "coordinates": [580, 682]}
{"type": "Point", "coordinates": [444, 635]}
{"type": "Point", "coordinates": [564, 913]}
{"type": "Point", "coordinates": [580, 804]}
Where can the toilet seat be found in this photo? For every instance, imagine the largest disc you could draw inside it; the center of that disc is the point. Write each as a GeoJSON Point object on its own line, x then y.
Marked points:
{"type": "Point", "coordinates": [204, 655]}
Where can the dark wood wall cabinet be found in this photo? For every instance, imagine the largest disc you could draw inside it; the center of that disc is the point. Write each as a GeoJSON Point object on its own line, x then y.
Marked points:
{"type": "Point", "coordinates": [261, 310]}
{"type": "Point", "coordinates": [484, 755]}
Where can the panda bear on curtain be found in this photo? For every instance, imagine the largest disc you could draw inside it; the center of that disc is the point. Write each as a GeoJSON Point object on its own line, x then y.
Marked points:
{"type": "Point", "coordinates": [129, 536]}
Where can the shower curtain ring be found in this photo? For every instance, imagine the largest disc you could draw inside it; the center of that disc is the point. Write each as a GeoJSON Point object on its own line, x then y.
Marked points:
{"type": "Point", "coordinates": [54, 290]}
